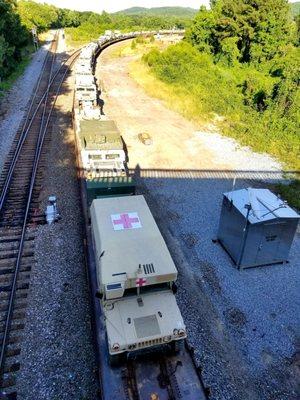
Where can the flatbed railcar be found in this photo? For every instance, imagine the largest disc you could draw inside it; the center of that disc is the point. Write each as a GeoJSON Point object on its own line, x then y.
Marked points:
{"type": "Point", "coordinates": [140, 377]}
{"type": "Point", "coordinates": [153, 375]}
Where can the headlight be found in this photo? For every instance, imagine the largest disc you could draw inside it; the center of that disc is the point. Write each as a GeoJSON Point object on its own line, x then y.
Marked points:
{"type": "Point", "coordinates": [115, 347]}
{"type": "Point", "coordinates": [181, 332]}
{"type": "Point", "coordinates": [167, 338]}
{"type": "Point", "coordinates": [175, 332]}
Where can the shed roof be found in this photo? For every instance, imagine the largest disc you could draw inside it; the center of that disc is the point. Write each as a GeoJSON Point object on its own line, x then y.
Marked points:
{"type": "Point", "coordinates": [265, 205]}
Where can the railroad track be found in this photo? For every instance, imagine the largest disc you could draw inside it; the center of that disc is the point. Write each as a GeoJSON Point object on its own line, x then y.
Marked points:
{"type": "Point", "coordinates": [20, 185]}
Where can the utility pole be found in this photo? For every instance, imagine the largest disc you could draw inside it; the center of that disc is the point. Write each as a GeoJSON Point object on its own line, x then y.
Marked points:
{"type": "Point", "coordinates": [35, 38]}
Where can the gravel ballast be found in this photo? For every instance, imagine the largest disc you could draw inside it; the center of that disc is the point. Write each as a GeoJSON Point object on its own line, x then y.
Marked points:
{"type": "Point", "coordinates": [243, 325]}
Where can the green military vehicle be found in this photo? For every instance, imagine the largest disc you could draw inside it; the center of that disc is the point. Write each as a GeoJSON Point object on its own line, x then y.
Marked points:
{"type": "Point", "coordinates": [103, 159]}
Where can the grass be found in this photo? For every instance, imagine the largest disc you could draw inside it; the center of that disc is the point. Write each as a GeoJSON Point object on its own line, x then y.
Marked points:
{"type": "Point", "coordinates": [290, 193]}
{"type": "Point", "coordinates": [78, 37]}
{"type": "Point", "coordinates": [172, 98]}
{"type": "Point", "coordinates": [176, 100]}
{"type": "Point", "coordinates": [7, 83]}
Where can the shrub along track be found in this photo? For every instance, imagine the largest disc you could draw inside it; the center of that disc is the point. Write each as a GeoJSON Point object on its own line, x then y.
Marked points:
{"type": "Point", "coordinates": [20, 185]}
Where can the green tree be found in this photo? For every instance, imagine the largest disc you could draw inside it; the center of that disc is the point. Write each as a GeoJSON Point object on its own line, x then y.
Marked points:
{"type": "Point", "coordinates": [202, 32]}
{"type": "Point", "coordinates": [260, 28]}
{"type": "Point", "coordinates": [13, 37]}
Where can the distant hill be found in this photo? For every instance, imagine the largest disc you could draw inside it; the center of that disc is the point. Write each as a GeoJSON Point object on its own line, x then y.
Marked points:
{"type": "Point", "coordinates": [161, 11]}
{"type": "Point", "coordinates": [295, 8]}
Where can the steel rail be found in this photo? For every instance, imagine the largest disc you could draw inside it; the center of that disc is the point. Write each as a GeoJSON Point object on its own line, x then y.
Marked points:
{"type": "Point", "coordinates": [23, 233]}
{"type": "Point", "coordinates": [24, 130]}
{"type": "Point", "coordinates": [24, 136]}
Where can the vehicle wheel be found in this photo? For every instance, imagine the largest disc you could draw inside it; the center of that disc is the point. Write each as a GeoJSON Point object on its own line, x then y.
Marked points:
{"type": "Point", "coordinates": [177, 346]}
{"type": "Point", "coordinates": [116, 360]}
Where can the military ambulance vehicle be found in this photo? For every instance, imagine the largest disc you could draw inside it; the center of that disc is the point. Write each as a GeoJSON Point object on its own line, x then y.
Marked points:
{"type": "Point", "coordinates": [135, 276]}
{"type": "Point", "coordinates": [85, 89]}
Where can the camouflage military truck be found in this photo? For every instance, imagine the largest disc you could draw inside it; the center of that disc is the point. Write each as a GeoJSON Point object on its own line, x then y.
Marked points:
{"type": "Point", "coordinates": [135, 276]}
{"type": "Point", "coordinates": [103, 159]}
{"type": "Point", "coordinates": [85, 89]}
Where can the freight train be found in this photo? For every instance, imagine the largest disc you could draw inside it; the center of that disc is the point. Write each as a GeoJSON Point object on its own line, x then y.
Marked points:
{"type": "Point", "coordinates": [134, 270]}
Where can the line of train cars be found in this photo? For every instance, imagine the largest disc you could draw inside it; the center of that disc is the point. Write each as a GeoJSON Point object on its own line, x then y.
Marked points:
{"type": "Point", "coordinates": [135, 274]}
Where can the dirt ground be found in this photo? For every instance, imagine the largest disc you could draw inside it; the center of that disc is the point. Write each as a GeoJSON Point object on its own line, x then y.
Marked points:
{"type": "Point", "coordinates": [141, 113]}
{"type": "Point", "coordinates": [177, 142]}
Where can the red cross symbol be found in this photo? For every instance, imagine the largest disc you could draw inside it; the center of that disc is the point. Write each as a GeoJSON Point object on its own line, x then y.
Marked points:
{"type": "Point", "coordinates": [125, 221]}
{"type": "Point", "coordinates": [140, 282]}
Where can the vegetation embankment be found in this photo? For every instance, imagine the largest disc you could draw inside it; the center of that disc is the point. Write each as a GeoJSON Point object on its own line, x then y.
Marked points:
{"type": "Point", "coordinates": [238, 67]}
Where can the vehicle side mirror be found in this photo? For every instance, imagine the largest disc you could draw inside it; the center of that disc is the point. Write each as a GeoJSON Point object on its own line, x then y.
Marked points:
{"type": "Point", "coordinates": [99, 295]}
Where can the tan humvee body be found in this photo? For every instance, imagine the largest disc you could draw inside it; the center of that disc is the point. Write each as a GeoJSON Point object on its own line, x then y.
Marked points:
{"type": "Point", "coordinates": [135, 272]}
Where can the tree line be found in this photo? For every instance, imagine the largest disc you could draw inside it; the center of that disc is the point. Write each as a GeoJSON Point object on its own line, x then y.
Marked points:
{"type": "Point", "coordinates": [16, 21]}
{"type": "Point", "coordinates": [17, 18]}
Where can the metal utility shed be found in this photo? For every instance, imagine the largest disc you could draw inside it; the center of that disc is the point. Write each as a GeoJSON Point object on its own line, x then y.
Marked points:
{"type": "Point", "coordinates": [256, 227]}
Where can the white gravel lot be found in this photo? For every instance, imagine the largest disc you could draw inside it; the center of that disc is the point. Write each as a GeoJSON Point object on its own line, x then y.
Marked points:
{"type": "Point", "coordinates": [241, 158]}
{"type": "Point", "coordinates": [245, 324]}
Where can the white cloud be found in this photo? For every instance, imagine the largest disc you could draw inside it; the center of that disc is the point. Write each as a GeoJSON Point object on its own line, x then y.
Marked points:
{"type": "Point", "coordinates": [116, 5]}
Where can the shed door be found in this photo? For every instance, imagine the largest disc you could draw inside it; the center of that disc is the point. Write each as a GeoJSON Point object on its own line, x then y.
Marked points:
{"type": "Point", "coordinates": [269, 243]}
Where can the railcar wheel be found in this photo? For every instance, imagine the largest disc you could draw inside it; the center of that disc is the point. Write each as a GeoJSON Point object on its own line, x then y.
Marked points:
{"type": "Point", "coordinates": [177, 346]}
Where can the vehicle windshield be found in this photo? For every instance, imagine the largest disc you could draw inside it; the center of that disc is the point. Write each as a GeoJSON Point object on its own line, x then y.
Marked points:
{"type": "Point", "coordinates": [111, 156]}
{"type": "Point", "coordinates": [146, 289]}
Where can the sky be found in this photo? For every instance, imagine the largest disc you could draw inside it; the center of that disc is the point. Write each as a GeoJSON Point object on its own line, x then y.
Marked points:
{"type": "Point", "coordinates": [116, 5]}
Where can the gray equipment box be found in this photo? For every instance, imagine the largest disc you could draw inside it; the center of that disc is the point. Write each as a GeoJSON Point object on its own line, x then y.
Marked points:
{"type": "Point", "coordinates": [256, 227]}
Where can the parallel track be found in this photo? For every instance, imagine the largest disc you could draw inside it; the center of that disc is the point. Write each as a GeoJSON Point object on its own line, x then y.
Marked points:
{"type": "Point", "coordinates": [21, 181]}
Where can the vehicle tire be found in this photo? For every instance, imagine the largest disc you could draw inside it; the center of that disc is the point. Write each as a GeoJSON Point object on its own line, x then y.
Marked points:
{"type": "Point", "coordinates": [177, 346]}
{"type": "Point", "coordinates": [116, 360]}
